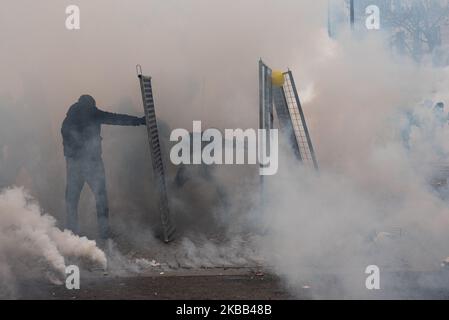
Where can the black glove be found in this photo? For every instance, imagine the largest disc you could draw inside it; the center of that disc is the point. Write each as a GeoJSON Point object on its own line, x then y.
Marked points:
{"type": "Point", "coordinates": [141, 121]}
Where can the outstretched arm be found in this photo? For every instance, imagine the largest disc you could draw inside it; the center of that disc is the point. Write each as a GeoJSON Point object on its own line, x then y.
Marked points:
{"type": "Point", "coordinates": [119, 119]}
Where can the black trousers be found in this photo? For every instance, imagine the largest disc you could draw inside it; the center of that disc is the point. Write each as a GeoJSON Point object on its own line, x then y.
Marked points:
{"type": "Point", "coordinates": [90, 171]}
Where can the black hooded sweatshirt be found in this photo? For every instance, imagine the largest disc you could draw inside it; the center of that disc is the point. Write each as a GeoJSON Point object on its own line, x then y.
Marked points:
{"type": "Point", "coordinates": [81, 130]}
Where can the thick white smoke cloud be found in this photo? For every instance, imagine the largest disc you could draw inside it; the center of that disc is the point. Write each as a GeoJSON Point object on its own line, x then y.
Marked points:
{"type": "Point", "coordinates": [31, 244]}
{"type": "Point", "coordinates": [203, 59]}
{"type": "Point", "coordinates": [380, 148]}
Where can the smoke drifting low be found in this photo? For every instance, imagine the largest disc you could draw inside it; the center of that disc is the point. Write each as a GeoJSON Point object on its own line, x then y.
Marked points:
{"type": "Point", "coordinates": [380, 144]}
{"type": "Point", "coordinates": [376, 140]}
{"type": "Point", "coordinates": [31, 244]}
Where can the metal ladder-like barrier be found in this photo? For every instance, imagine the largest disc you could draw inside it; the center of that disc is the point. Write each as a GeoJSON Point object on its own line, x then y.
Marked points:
{"type": "Point", "coordinates": [168, 228]}
{"type": "Point", "coordinates": [298, 121]}
{"type": "Point", "coordinates": [289, 111]}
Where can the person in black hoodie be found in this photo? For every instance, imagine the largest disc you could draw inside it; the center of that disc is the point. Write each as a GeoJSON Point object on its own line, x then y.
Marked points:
{"type": "Point", "coordinates": [81, 137]}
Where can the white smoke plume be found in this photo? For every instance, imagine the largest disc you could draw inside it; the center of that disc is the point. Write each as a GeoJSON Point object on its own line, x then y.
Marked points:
{"type": "Point", "coordinates": [380, 148]}
{"type": "Point", "coordinates": [374, 161]}
{"type": "Point", "coordinates": [31, 244]}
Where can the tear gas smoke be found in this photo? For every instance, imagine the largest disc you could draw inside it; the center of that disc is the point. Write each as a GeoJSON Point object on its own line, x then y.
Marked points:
{"type": "Point", "coordinates": [30, 242]}
{"type": "Point", "coordinates": [203, 58]}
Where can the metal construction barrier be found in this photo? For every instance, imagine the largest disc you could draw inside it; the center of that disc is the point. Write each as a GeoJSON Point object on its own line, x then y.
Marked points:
{"type": "Point", "coordinates": [292, 122]}
{"type": "Point", "coordinates": [168, 228]}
